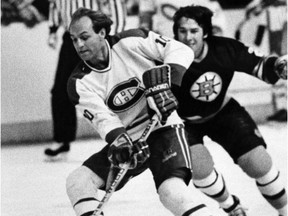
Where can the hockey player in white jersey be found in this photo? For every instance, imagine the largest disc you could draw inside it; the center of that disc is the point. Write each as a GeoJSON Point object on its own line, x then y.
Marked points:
{"type": "Point", "coordinates": [109, 87]}
{"type": "Point", "coordinates": [63, 112]}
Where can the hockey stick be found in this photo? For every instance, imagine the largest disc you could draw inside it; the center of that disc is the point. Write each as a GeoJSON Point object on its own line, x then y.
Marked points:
{"type": "Point", "coordinates": [154, 120]}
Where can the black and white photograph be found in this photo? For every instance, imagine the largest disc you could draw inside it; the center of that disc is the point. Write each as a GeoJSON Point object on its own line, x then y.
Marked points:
{"type": "Point", "coordinates": [144, 107]}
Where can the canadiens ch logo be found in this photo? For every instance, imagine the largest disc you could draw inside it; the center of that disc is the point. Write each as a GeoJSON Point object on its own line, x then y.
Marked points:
{"type": "Point", "coordinates": [207, 87]}
{"type": "Point", "coordinates": [125, 95]}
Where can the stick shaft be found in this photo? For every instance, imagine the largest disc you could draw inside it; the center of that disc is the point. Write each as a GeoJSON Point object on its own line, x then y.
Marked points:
{"type": "Point", "coordinates": [149, 128]}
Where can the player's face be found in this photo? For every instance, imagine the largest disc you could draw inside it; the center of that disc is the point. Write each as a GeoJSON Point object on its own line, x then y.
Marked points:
{"type": "Point", "coordinates": [191, 34]}
{"type": "Point", "coordinates": [87, 43]}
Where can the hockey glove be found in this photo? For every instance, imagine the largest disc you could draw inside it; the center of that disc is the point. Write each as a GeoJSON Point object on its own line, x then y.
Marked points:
{"type": "Point", "coordinates": [280, 67]}
{"type": "Point", "coordinates": [122, 151]}
{"type": "Point", "coordinates": [158, 93]}
{"type": "Point", "coordinates": [141, 152]}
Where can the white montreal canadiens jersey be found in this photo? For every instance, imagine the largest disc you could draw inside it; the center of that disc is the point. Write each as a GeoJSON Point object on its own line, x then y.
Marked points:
{"type": "Point", "coordinates": [114, 97]}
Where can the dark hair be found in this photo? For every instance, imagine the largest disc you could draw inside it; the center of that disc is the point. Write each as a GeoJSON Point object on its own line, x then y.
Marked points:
{"type": "Point", "coordinates": [202, 15]}
{"type": "Point", "coordinates": [99, 19]}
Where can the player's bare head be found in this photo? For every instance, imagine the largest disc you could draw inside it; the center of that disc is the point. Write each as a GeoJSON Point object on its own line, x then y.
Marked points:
{"type": "Point", "coordinates": [202, 15]}
{"type": "Point", "coordinates": [99, 19]}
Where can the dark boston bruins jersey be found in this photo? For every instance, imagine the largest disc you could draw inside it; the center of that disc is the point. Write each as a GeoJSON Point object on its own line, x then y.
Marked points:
{"type": "Point", "coordinates": [205, 84]}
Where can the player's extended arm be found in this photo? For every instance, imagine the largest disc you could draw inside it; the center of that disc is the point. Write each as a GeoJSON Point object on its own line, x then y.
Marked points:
{"type": "Point", "coordinates": [271, 68]}
{"type": "Point", "coordinates": [159, 95]}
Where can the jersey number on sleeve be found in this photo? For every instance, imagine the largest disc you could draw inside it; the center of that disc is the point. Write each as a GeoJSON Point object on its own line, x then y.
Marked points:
{"type": "Point", "coordinates": [88, 115]}
{"type": "Point", "coordinates": [163, 41]}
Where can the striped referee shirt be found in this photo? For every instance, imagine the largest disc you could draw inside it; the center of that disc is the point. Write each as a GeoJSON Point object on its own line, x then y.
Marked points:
{"type": "Point", "coordinates": [60, 12]}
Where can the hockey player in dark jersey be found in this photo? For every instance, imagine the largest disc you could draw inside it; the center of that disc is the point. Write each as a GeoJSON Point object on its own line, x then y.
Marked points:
{"type": "Point", "coordinates": [207, 110]}
{"type": "Point", "coordinates": [109, 88]}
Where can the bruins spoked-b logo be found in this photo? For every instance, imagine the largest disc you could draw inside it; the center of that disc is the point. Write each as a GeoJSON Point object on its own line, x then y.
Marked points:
{"type": "Point", "coordinates": [125, 95]}
{"type": "Point", "coordinates": [207, 87]}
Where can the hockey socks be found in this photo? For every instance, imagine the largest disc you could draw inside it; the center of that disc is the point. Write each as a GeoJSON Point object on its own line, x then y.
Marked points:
{"type": "Point", "coordinates": [82, 189]}
{"type": "Point", "coordinates": [176, 198]}
{"type": "Point", "coordinates": [273, 190]}
{"type": "Point", "coordinates": [214, 187]}
{"type": "Point", "coordinates": [91, 213]}
{"type": "Point", "coordinates": [283, 211]}
{"type": "Point", "coordinates": [86, 207]}
{"type": "Point", "coordinates": [197, 210]}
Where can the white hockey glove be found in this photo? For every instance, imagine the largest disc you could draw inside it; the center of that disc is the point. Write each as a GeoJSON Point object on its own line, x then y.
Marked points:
{"type": "Point", "coordinates": [158, 93]}
{"type": "Point", "coordinates": [122, 151]}
{"type": "Point", "coordinates": [280, 67]}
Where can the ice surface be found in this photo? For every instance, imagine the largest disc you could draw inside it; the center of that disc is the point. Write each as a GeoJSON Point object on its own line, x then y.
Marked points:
{"type": "Point", "coordinates": [31, 186]}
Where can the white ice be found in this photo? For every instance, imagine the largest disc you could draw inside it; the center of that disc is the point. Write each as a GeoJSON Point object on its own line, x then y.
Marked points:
{"type": "Point", "coordinates": [31, 186]}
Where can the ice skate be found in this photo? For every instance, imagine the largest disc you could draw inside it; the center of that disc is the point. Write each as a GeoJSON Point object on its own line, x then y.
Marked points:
{"type": "Point", "coordinates": [58, 152]}
{"type": "Point", "coordinates": [236, 209]}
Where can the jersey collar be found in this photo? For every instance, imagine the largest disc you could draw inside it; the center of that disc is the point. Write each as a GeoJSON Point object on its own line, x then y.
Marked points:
{"type": "Point", "coordinates": [109, 64]}
{"type": "Point", "coordinates": [203, 53]}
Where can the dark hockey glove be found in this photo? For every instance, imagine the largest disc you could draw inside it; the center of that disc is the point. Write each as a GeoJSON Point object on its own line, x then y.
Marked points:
{"type": "Point", "coordinates": [120, 151]}
{"type": "Point", "coordinates": [280, 67]}
{"type": "Point", "coordinates": [141, 152]}
{"type": "Point", "coordinates": [158, 93]}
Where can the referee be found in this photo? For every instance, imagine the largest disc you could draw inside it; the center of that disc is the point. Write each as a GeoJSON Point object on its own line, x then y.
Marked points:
{"type": "Point", "coordinates": [63, 112]}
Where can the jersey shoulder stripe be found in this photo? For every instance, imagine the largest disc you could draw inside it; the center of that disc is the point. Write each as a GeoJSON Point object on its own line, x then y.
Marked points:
{"type": "Point", "coordinates": [79, 72]}
{"type": "Point", "coordinates": [114, 39]}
